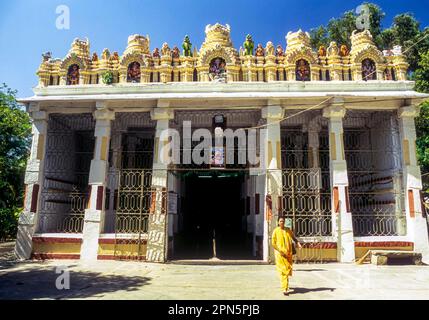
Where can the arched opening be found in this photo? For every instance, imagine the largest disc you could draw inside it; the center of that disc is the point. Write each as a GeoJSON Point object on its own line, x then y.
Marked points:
{"type": "Point", "coordinates": [302, 70]}
{"type": "Point", "coordinates": [389, 74]}
{"type": "Point", "coordinates": [134, 73]}
{"type": "Point", "coordinates": [195, 76]}
{"type": "Point", "coordinates": [73, 75]}
{"type": "Point", "coordinates": [217, 70]}
{"type": "Point", "coordinates": [369, 70]}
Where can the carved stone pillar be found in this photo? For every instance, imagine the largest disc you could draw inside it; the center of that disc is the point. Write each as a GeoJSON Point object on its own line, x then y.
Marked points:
{"type": "Point", "coordinates": [157, 233]}
{"type": "Point", "coordinates": [95, 213]}
{"type": "Point", "coordinates": [342, 224]}
{"type": "Point", "coordinates": [34, 176]}
{"type": "Point", "coordinates": [273, 188]}
{"type": "Point", "coordinates": [412, 183]}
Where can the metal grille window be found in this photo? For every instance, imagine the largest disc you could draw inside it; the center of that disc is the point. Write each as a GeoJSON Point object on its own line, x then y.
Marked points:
{"type": "Point", "coordinates": [69, 151]}
{"type": "Point", "coordinates": [372, 150]}
{"type": "Point", "coordinates": [306, 194]}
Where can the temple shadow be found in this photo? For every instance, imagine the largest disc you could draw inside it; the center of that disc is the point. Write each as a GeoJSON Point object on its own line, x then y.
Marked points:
{"type": "Point", "coordinates": [307, 290]}
{"type": "Point", "coordinates": [39, 282]}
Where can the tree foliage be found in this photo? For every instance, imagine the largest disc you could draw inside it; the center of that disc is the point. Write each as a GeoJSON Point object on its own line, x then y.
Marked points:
{"type": "Point", "coordinates": [15, 130]}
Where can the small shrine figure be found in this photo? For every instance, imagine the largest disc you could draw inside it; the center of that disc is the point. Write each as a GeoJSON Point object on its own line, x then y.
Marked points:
{"type": "Point", "coordinates": [344, 51]}
{"type": "Point", "coordinates": [46, 56]}
{"type": "Point", "coordinates": [388, 53]}
{"type": "Point", "coordinates": [134, 72]}
{"type": "Point", "coordinates": [260, 52]}
{"type": "Point", "coordinates": [368, 70]}
{"type": "Point", "coordinates": [175, 53]}
{"type": "Point", "coordinates": [302, 70]}
{"type": "Point", "coordinates": [94, 57]}
{"type": "Point", "coordinates": [217, 70]}
{"type": "Point", "coordinates": [106, 54]}
{"type": "Point", "coordinates": [269, 48]}
{"type": "Point", "coordinates": [165, 50]}
{"type": "Point", "coordinates": [333, 49]}
{"type": "Point", "coordinates": [115, 56]}
{"type": "Point", "coordinates": [388, 74]}
{"type": "Point", "coordinates": [322, 51]}
{"type": "Point", "coordinates": [187, 47]}
{"type": "Point", "coordinates": [248, 46]}
{"type": "Point", "coordinates": [279, 51]}
{"type": "Point", "coordinates": [156, 53]}
{"type": "Point", "coordinates": [73, 75]}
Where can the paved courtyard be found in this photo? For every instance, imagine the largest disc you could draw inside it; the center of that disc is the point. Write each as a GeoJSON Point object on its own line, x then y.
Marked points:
{"type": "Point", "coordinates": [137, 280]}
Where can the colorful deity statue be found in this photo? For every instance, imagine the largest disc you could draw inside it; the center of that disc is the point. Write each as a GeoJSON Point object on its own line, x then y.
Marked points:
{"type": "Point", "coordinates": [388, 74]}
{"type": "Point", "coordinates": [115, 56]}
{"type": "Point", "coordinates": [279, 51]}
{"type": "Point", "coordinates": [175, 53]}
{"type": "Point", "coordinates": [344, 51]}
{"type": "Point", "coordinates": [187, 47]}
{"type": "Point", "coordinates": [333, 49]}
{"type": "Point", "coordinates": [106, 54]}
{"type": "Point", "coordinates": [155, 53]}
{"type": "Point", "coordinates": [217, 70]}
{"type": "Point", "coordinates": [94, 57]}
{"type": "Point", "coordinates": [322, 51]}
{"type": "Point", "coordinates": [73, 75]}
{"type": "Point", "coordinates": [248, 46]}
{"type": "Point", "coordinates": [46, 56]}
{"type": "Point", "coordinates": [302, 70]}
{"type": "Point", "coordinates": [368, 70]}
{"type": "Point", "coordinates": [269, 49]}
{"type": "Point", "coordinates": [134, 72]}
{"type": "Point", "coordinates": [165, 50]}
{"type": "Point", "coordinates": [260, 52]}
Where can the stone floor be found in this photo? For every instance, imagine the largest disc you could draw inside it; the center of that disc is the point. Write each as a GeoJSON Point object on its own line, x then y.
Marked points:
{"type": "Point", "coordinates": [137, 280]}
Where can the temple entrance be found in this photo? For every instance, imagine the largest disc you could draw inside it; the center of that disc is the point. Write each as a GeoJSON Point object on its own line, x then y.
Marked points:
{"type": "Point", "coordinates": [212, 221]}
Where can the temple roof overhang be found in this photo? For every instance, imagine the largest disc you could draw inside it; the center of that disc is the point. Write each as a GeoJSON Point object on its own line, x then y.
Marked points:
{"type": "Point", "coordinates": [374, 94]}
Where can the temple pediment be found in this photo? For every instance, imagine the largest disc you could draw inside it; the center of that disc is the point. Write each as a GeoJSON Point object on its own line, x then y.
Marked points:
{"type": "Point", "coordinates": [219, 60]}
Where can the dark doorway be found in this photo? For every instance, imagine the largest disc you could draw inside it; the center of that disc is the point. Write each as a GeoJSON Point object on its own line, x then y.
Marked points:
{"type": "Point", "coordinates": [213, 208]}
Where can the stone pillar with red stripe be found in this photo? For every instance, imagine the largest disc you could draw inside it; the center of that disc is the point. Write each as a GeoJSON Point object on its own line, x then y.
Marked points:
{"type": "Point", "coordinates": [157, 244]}
{"type": "Point", "coordinates": [412, 183]}
{"type": "Point", "coordinates": [273, 114]}
{"type": "Point", "coordinates": [27, 223]}
{"type": "Point", "coordinates": [94, 214]}
{"type": "Point", "coordinates": [342, 224]}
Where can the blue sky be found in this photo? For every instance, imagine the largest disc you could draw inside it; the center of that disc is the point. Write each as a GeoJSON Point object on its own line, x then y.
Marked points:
{"type": "Point", "coordinates": [27, 27]}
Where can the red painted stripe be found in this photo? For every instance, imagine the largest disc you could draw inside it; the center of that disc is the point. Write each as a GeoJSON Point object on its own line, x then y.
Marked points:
{"type": "Point", "coordinates": [100, 192]}
{"type": "Point", "coordinates": [112, 257]}
{"type": "Point", "coordinates": [55, 256]}
{"type": "Point", "coordinates": [319, 245]}
{"type": "Point", "coordinates": [56, 240]}
{"type": "Point", "coordinates": [34, 198]}
{"type": "Point", "coordinates": [121, 241]}
{"type": "Point", "coordinates": [384, 244]}
{"type": "Point", "coordinates": [257, 203]}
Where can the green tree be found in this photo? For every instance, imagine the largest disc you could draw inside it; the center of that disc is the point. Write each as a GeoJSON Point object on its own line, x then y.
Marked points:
{"type": "Point", "coordinates": [422, 122]}
{"type": "Point", "coordinates": [406, 30]}
{"type": "Point", "coordinates": [340, 29]}
{"type": "Point", "coordinates": [319, 37]}
{"type": "Point", "coordinates": [15, 131]}
{"type": "Point", "coordinates": [386, 39]}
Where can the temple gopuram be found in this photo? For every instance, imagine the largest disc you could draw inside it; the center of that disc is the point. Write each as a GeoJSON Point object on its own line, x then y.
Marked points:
{"type": "Point", "coordinates": [338, 151]}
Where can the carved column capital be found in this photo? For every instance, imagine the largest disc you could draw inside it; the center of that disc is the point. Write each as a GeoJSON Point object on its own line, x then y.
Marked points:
{"type": "Point", "coordinates": [410, 111]}
{"type": "Point", "coordinates": [336, 109]}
